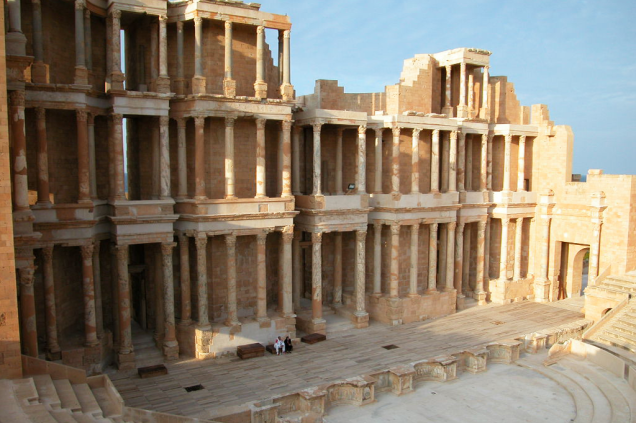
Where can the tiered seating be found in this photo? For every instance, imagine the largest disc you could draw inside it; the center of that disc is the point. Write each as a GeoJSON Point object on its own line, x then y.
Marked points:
{"type": "Point", "coordinates": [620, 329]}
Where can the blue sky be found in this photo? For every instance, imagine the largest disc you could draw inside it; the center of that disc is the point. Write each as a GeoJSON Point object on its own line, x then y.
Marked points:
{"type": "Point", "coordinates": [578, 57]}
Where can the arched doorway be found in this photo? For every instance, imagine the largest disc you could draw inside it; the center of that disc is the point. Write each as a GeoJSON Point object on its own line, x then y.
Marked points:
{"type": "Point", "coordinates": [574, 270]}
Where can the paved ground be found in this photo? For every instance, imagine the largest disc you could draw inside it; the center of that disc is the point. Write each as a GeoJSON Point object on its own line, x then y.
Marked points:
{"type": "Point", "coordinates": [231, 382]}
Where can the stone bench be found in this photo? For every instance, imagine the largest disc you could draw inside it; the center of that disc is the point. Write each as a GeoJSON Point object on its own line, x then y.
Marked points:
{"type": "Point", "coordinates": [250, 351]}
{"type": "Point", "coordinates": [313, 338]}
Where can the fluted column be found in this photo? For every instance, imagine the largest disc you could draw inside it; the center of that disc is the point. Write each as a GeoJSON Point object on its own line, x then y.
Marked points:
{"type": "Point", "coordinates": [484, 105]}
{"type": "Point", "coordinates": [361, 168]}
{"type": "Point", "coordinates": [316, 277]}
{"type": "Point", "coordinates": [489, 162]}
{"type": "Point", "coordinates": [483, 180]}
{"type": "Point", "coordinates": [90, 324]}
{"type": "Point", "coordinates": [450, 255]}
{"type": "Point", "coordinates": [260, 86]}
{"type": "Point", "coordinates": [459, 261]}
{"type": "Point", "coordinates": [316, 160]}
{"type": "Point", "coordinates": [184, 274]}
{"type": "Point", "coordinates": [359, 273]}
{"type": "Point", "coordinates": [232, 314]}
{"type": "Point", "coordinates": [337, 269]}
{"type": "Point", "coordinates": [29, 335]}
{"type": "Point", "coordinates": [182, 163]}
{"type": "Point", "coordinates": [97, 282]}
{"type": "Point", "coordinates": [229, 158]}
{"type": "Point", "coordinates": [202, 280]}
{"type": "Point", "coordinates": [169, 340]}
{"type": "Point", "coordinates": [415, 162]}
{"type": "Point", "coordinates": [229, 84]}
{"type": "Point", "coordinates": [518, 248]}
{"type": "Point", "coordinates": [521, 164]}
{"type": "Point", "coordinates": [297, 270]}
{"type": "Point", "coordinates": [432, 258]}
{"type": "Point", "coordinates": [81, 74]}
{"type": "Point", "coordinates": [20, 182]}
{"type": "Point", "coordinates": [395, 161]}
{"type": "Point", "coordinates": [286, 126]}
{"type": "Point", "coordinates": [117, 148]}
{"type": "Point", "coordinates": [377, 258]}
{"type": "Point", "coordinates": [198, 81]}
{"type": "Point", "coordinates": [480, 293]}
{"type": "Point", "coordinates": [199, 158]}
{"type": "Point", "coordinates": [339, 132]}
{"type": "Point", "coordinates": [378, 161]}
{"type": "Point", "coordinates": [123, 303]}
{"type": "Point", "coordinates": [435, 163]}
{"type": "Point", "coordinates": [506, 180]}
{"type": "Point", "coordinates": [503, 258]}
{"type": "Point", "coordinates": [461, 161]}
{"type": "Point", "coordinates": [287, 236]}
{"type": "Point", "coordinates": [42, 157]}
{"type": "Point", "coordinates": [394, 277]}
{"type": "Point", "coordinates": [452, 163]}
{"type": "Point", "coordinates": [415, 230]}
{"type": "Point", "coordinates": [448, 109]}
{"type": "Point", "coordinates": [462, 109]}
{"type": "Point", "coordinates": [261, 276]}
{"type": "Point", "coordinates": [164, 162]}
{"type": "Point", "coordinates": [260, 158]}
{"type": "Point", "coordinates": [83, 159]}
{"type": "Point", "coordinates": [595, 248]}
{"type": "Point", "coordinates": [52, 345]}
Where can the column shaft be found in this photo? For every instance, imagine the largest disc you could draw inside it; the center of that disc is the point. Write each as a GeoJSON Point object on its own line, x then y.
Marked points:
{"type": "Point", "coordinates": [29, 336]}
{"type": "Point", "coordinates": [432, 258]}
{"type": "Point", "coordinates": [286, 126]}
{"type": "Point", "coordinates": [337, 269]}
{"type": "Point", "coordinates": [164, 163]}
{"type": "Point", "coordinates": [199, 158]}
{"type": "Point", "coordinates": [503, 259]}
{"type": "Point", "coordinates": [316, 161]}
{"type": "Point", "coordinates": [182, 163]}
{"type": "Point", "coordinates": [448, 110]}
{"type": "Point", "coordinates": [232, 314]}
{"type": "Point", "coordinates": [489, 162]}
{"type": "Point", "coordinates": [507, 144]}
{"type": "Point", "coordinates": [42, 157]}
{"type": "Point", "coordinates": [287, 237]}
{"type": "Point", "coordinates": [483, 180]}
{"type": "Point", "coordinates": [118, 161]}
{"type": "Point", "coordinates": [394, 277]}
{"type": "Point", "coordinates": [80, 47]}
{"type": "Point", "coordinates": [123, 289]}
{"type": "Point", "coordinates": [435, 162]}
{"type": "Point", "coordinates": [198, 46]}
{"type": "Point", "coordinates": [184, 274]}
{"type": "Point", "coordinates": [20, 182]}
{"type": "Point", "coordinates": [90, 324]}
{"type": "Point", "coordinates": [180, 50]}
{"type": "Point", "coordinates": [415, 162]}
{"type": "Point", "coordinates": [88, 40]}
{"type": "Point", "coordinates": [450, 255]}
{"type": "Point", "coordinates": [459, 259]}
{"type": "Point", "coordinates": [260, 158]}
{"type": "Point", "coordinates": [316, 276]}
{"type": "Point", "coordinates": [377, 258]}
{"type": "Point", "coordinates": [229, 158]}
{"type": "Point", "coordinates": [163, 46]}
{"type": "Point", "coordinates": [462, 85]}
{"type": "Point", "coordinates": [52, 344]}
{"type": "Point", "coordinates": [471, 95]}
{"type": "Point", "coordinates": [169, 339]}
{"type": "Point", "coordinates": [297, 271]}
{"type": "Point", "coordinates": [260, 86]}
{"type": "Point", "coordinates": [521, 186]}
{"type": "Point", "coordinates": [378, 161]}
{"type": "Point", "coordinates": [286, 58]}
{"type": "Point", "coordinates": [594, 254]}
{"type": "Point", "coordinates": [202, 280]}
{"type": "Point", "coordinates": [261, 276]}
{"type": "Point", "coordinates": [480, 294]}
{"type": "Point", "coordinates": [359, 273]}
{"type": "Point", "coordinates": [361, 168]}
{"type": "Point", "coordinates": [518, 247]}
{"type": "Point", "coordinates": [461, 161]}
{"type": "Point", "coordinates": [38, 50]}
{"type": "Point", "coordinates": [296, 131]}
{"type": "Point", "coordinates": [469, 163]}
{"type": "Point", "coordinates": [545, 249]}
{"type": "Point", "coordinates": [116, 77]}
{"type": "Point", "coordinates": [92, 159]}
{"type": "Point", "coordinates": [415, 229]}
{"type": "Point", "coordinates": [395, 162]}
{"type": "Point", "coordinates": [484, 104]}
{"type": "Point", "coordinates": [452, 163]}
{"type": "Point", "coordinates": [97, 282]}
{"type": "Point", "coordinates": [466, 259]}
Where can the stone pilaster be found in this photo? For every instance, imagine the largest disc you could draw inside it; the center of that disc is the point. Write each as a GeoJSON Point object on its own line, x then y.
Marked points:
{"type": "Point", "coordinates": [232, 314]}
{"type": "Point", "coordinates": [415, 161]}
{"type": "Point", "coordinates": [377, 188]}
{"type": "Point", "coordinates": [52, 345]}
{"type": "Point", "coordinates": [260, 86]}
{"type": "Point", "coordinates": [435, 162]}
{"type": "Point", "coordinates": [450, 255]}
{"type": "Point", "coordinates": [184, 262]}
{"type": "Point", "coordinates": [518, 247]}
{"type": "Point", "coordinates": [286, 126]}
{"type": "Point", "coordinates": [415, 230]}
{"type": "Point", "coordinates": [432, 258]}
{"type": "Point", "coordinates": [395, 161]}
{"type": "Point", "coordinates": [199, 158]}
{"type": "Point", "coordinates": [394, 277]}
{"type": "Point", "coordinates": [229, 84]}
{"type": "Point", "coordinates": [337, 269]}
{"type": "Point", "coordinates": [521, 175]}
{"type": "Point", "coordinates": [361, 315]}
{"type": "Point", "coordinates": [317, 190]}
{"type": "Point", "coordinates": [377, 258]}
{"type": "Point", "coordinates": [29, 335]}
{"type": "Point", "coordinates": [164, 157]}
{"type": "Point", "coordinates": [198, 81]}
{"type": "Point", "coordinates": [469, 163]}
{"type": "Point", "coordinates": [88, 284]}
{"type": "Point", "coordinates": [170, 345]}
{"type": "Point", "coordinates": [361, 165]}
{"type": "Point", "coordinates": [202, 281]}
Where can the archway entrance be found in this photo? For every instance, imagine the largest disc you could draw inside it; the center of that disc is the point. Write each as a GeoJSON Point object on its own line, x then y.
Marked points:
{"type": "Point", "coordinates": [574, 270]}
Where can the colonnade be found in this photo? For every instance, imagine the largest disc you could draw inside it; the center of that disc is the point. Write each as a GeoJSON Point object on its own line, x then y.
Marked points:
{"type": "Point", "coordinates": [465, 108]}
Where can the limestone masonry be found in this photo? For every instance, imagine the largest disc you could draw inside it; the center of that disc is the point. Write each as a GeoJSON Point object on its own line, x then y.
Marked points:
{"type": "Point", "coordinates": [192, 197]}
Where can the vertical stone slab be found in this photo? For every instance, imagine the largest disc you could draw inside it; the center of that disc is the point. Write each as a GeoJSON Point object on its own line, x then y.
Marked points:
{"type": "Point", "coordinates": [461, 161]}
{"type": "Point", "coordinates": [83, 159]}
{"type": "Point", "coordinates": [297, 270]}
{"type": "Point", "coordinates": [182, 163]}
{"type": "Point", "coordinates": [483, 180]}
{"type": "Point", "coordinates": [452, 163]}
{"type": "Point", "coordinates": [286, 238]}
{"type": "Point", "coordinates": [503, 257]}
{"type": "Point", "coordinates": [521, 164]}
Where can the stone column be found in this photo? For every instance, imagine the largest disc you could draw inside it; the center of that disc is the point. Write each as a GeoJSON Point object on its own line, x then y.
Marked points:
{"type": "Point", "coordinates": [471, 100]}
{"type": "Point", "coordinates": [116, 76]}
{"type": "Point", "coordinates": [229, 158]}
{"type": "Point", "coordinates": [415, 162]}
{"type": "Point", "coordinates": [521, 164]}
{"type": "Point", "coordinates": [394, 277]}
{"type": "Point", "coordinates": [15, 39]}
{"type": "Point", "coordinates": [202, 280]}
{"type": "Point", "coordinates": [461, 161]}
{"type": "Point", "coordinates": [487, 250]}
{"type": "Point", "coordinates": [179, 81]}
{"type": "Point", "coordinates": [232, 315]}
{"type": "Point", "coordinates": [296, 131]}
{"type": "Point", "coordinates": [184, 262]}
{"type": "Point", "coordinates": [518, 245]}
{"type": "Point", "coordinates": [90, 324]}
{"type": "Point", "coordinates": [199, 158]}
{"type": "Point", "coordinates": [484, 105]}
{"type": "Point", "coordinates": [459, 263]}
{"type": "Point", "coordinates": [261, 277]}
{"type": "Point", "coordinates": [81, 74]}
{"type": "Point", "coordinates": [506, 181]}
{"type": "Point", "coordinates": [170, 345]}
{"type": "Point", "coordinates": [182, 163]}
{"type": "Point", "coordinates": [483, 180]}
{"type": "Point", "coordinates": [83, 159]}
{"type": "Point", "coordinates": [88, 40]}
{"type": "Point", "coordinates": [395, 161]}
{"type": "Point", "coordinates": [448, 109]}
{"type": "Point", "coordinates": [286, 126]}
{"type": "Point", "coordinates": [542, 293]}
{"type": "Point", "coordinates": [362, 160]}
{"type": "Point", "coordinates": [117, 148]}
{"type": "Point", "coordinates": [29, 334]}
{"type": "Point", "coordinates": [377, 258]}
{"type": "Point", "coordinates": [198, 81]}
{"type": "Point", "coordinates": [469, 163]}
{"type": "Point", "coordinates": [52, 345]}
{"type": "Point", "coordinates": [39, 70]}
{"type": "Point", "coordinates": [297, 271]}
{"type": "Point", "coordinates": [260, 158]}
{"type": "Point", "coordinates": [462, 109]}
{"type": "Point", "coordinates": [452, 163]}
{"type": "Point", "coordinates": [123, 289]}
{"type": "Point", "coordinates": [316, 160]}
{"type": "Point", "coordinates": [435, 163]}
{"type": "Point", "coordinates": [42, 157]}
{"type": "Point", "coordinates": [279, 165]}
{"type": "Point", "coordinates": [432, 258]}
{"type": "Point", "coordinates": [339, 190]}
{"type": "Point", "coordinates": [260, 86]}
{"type": "Point", "coordinates": [489, 162]}
{"type": "Point", "coordinates": [316, 277]}
{"type": "Point", "coordinates": [378, 161]}
{"type": "Point", "coordinates": [359, 273]}
{"type": "Point", "coordinates": [163, 81]}
{"type": "Point", "coordinates": [595, 247]}
{"type": "Point", "coordinates": [480, 293]}
{"type": "Point", "coordinates": [153, 53]}
{"type": "Point", "coordinates": [337, 269]}
{"type": "Point", "coordinates": [92, 161]}
{"type": "Point", "coordinates": [164, 163]}
{"type": "Point", "coordinates": [450, 255]}
{"type": "Point", "coordinates": [20, 182]}
{"type": "Point", "coordinates": [97, 282]}
{"type": "Point", "coordinates": [415, 230]}
{"type": "Point", "coordinates": [466, 260]}
{"type": "Point", "coordinates": [286, 88]}
{"type": "Point", "coordinates": [229, 84]}
{"type": "Point", "coordinates": [287, 236]}
{"type": "Point", "coordinates": [503, 259]}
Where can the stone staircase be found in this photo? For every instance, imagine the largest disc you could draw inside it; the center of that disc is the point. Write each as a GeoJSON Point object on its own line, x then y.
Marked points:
{"type": "Point", "coordinates": [624, 283]}
{"type": "Point", "coordinates": [620, 329]}
{"type": "Point", "coordinates": [146, 351]}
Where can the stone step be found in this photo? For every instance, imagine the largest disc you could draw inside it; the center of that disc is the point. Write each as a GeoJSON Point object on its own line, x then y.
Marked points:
{"type": "Point", "coordinates": [621, 335]}
{"type": "Point", "coordinates": [9, 404]}
{"type": "Point", "coordinates": [84, 418]}
{"type": "Point", "coordinates": [47, 392]}
{"type": "Point", "coordinates": [67, 395]}
{"type": "Point", "coordinates": [63, 416]}
{"type": "Point", "coordinates": [628, 278]}
{"type": "Point", "coordinates": [38, 413]}
{"type": "Point", "coordinates": [87, 400]}
{"type": "Point", "coordinates": [627, 327]}
{"type": "Point", "coordinates": [615, 342]}
{"type": "Point", "coordinates": [105, 403]}
{"type": "Point", "coordinates": [25, 392]}
{"type": "Point", "coordinates": [619, 284]}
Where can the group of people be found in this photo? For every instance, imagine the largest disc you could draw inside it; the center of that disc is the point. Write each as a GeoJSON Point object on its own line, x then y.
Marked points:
{"type": "Point", "coordinates": [283, 347]}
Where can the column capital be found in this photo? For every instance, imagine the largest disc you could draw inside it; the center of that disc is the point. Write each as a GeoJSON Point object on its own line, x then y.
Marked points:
{"type": "Point", "coordinates": [460, 228]}
{"type": "Point", "coordinates": [87, 251]}
{"type": "Point", "coordinates": [378, 132]}
{"type": "Point", "coordinates": [96, 246]}
{"type": "Point", "coordinates": [230, 121]}
{"type": "Point", "coordinates": [260, 123]}
{"type": "Point", "coordinates": [288, 234]}
{"type": "Point", "coordinates": [230, 240]}
{"type": "Point", "coordinates": [40, 113]}
{"type": "Point", "coordinates": [227, 24]}
{"type": "Point", "coordinates": [166, 247]}
{"type": "Point", "coordinates": [181, 122]}
{"type": "Point", "coordinates": [116, 117]}
{"type": "Point", "coordinates": [81, 115]}
{"type": "Point", "coordinates": [361, 236]}
{"type": "Point", "coordinates": [395, 228]}
{"type": "Point", "coordinates": [362, 129]}
{"type": "Point", "coordinates": [26, 276]}
{"type": "Point", "coordinates": [91, 119]}
{"type": "Point", "coordinates": [317, 126]}
{"type": "Point", "coordinates": [201, 242]}
{"type": "Point", "coordinates": [115, 13]}
{"type": "Point", "coordinates": [453, 135]}
{"type": "Point", "coordinates": [481, 227]}
{"type": "Point", "coordinates": [260, 29]}
{"type": "Point", "coordinates": [164, 120]}
{"type": "Point", "coordinates": [436, 133]}
{"type": "Point", "coordinates": [522, 138]}
{"type": "Point", "coordinates": [434, 227]}
{"type": "Point", "coordinates": [508, 138]}
{"type": "Point", "coordinates": [448, 70]}
{"type": "Point", "coordinates": [121, 250]}
{"type": "Point", "coordinates": [316, 237]}
{"type": "Point", "coordinates": [286, 33]}
{"type": "Point", "coordinates": [286, 124]}
{"type": "Point", "coordinates": [198, 20]}
{"type": "Point", "coordinates": [451, 226]}
{"type": "Point", "coordinates": [505, 221]}
{"type": "Point", "coordinates": [38, 2]}
{"type": "Point", "coordinates": [199, 120]}
{"type": "Point", "coordinates": [415, 227]}
{"type": "Point", "coordinates": [396, 131]}
{"type": "Point", "coordinates": [416, 132]}
{"type": "Point", "coordinates": [261, 237]}
{"type": "Point", "coordinates": [79, 5]}
{"type": "Point", "coordinates": [377, 226]}
{"type": "Point", "coordinates": [182, 237]}
{"type": "Point", "coordinates": [163, 19]}
{"type": "Point", "coordinates": [179, 25]}
{"type": "Point", "coordinates": [47, 252]}
{"type": "Point", "coordinates": [17, 98]}
{"type": "Point", "coordinates": [87, 12]}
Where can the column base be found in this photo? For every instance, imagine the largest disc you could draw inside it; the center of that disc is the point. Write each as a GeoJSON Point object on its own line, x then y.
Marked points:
{"type": "Point", "coordinates": [360, 319]}
{"type": "Point", "coordinates": [484, 113]}
{"type": "Point", "coordinates": [318, 325]}
{"type": "Point", "coordinates": [171, 350]}
{"type": "Point", "coordinates": [40, 73]}
{"type": "Point", "coordinates": [461, 302]}
{"type": "Point", "coordinates": [16, 44]}
{"type": "Point", "coordinates": [287, 92]}
{"type": "Point", "coordinates": [198, 85]}
{"type": "Point", "coordinates": [260, 89]}
{"type": "Point", "coordinates": [480, 297]}
{"type": "Point", "coordinates": [179, 86]}
{"type": "Point", "coordinates": [229, 87]}
{"type": "Point", "coordinates": [462, 111]}
{"type": "Point", "coordinates": [162, 84]}
{"type": "Point", "coordinates": [126, 361]}
{"type": "Point", "coordinates": [542, 290]}
{"type": "Point", "coordinates": [81, 76]}
{"type": "Point", "coordinates": [234, 324]}
{"type": "Point", "coordinates": [264, 322]}
{"type": "Point", "coordinates": [53, 355]}
{"type": "Point", "coordinates": [448, 111]}
{"type": "Point", "coordinates": [116, 82]}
